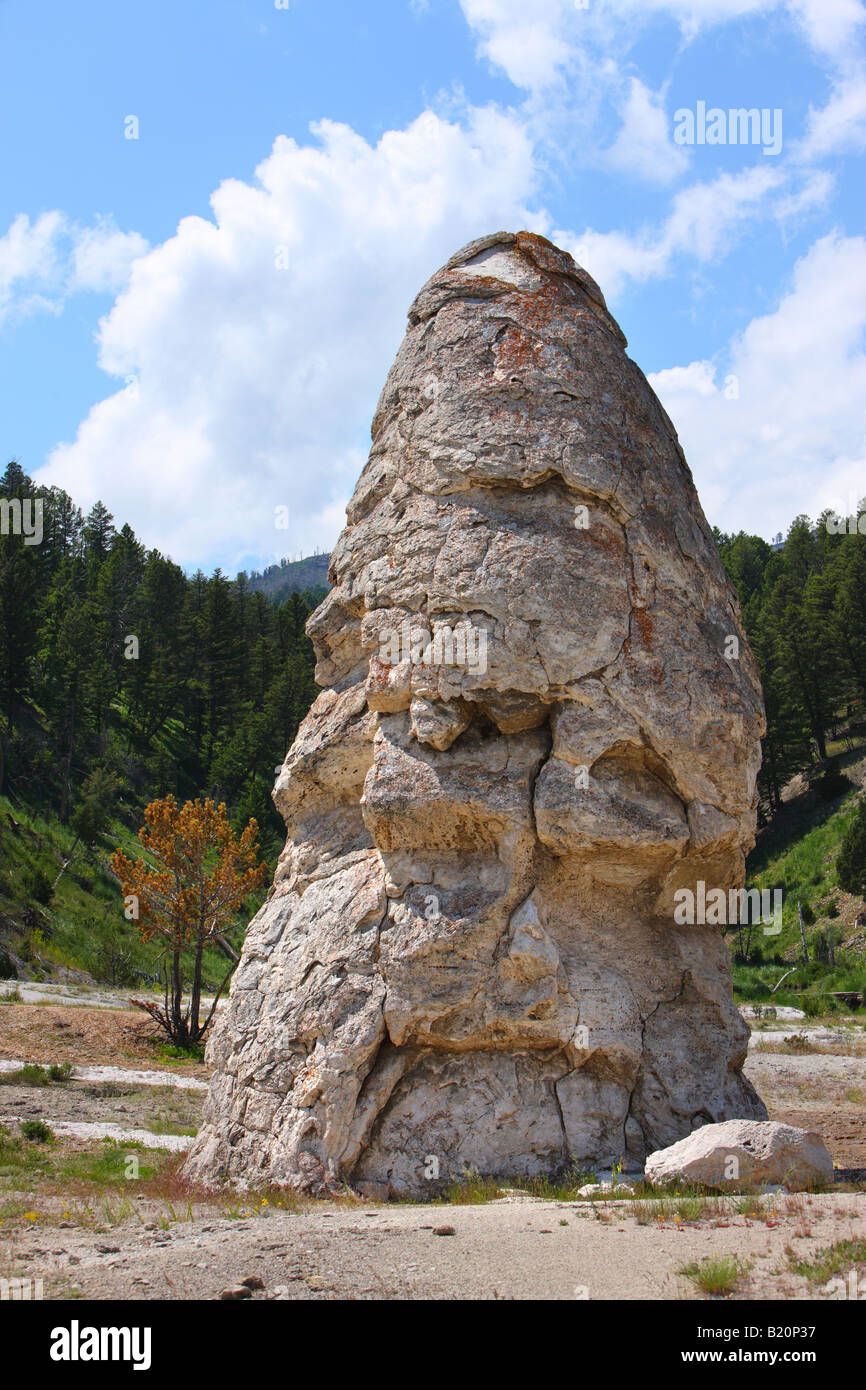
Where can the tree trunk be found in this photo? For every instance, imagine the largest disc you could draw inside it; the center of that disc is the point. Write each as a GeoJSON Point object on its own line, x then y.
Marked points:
{"type": "Point", "coordinates": [196, 987]}
{"type": "Point", "coordinates": [178, 1022]}
{"type": "Point", "coordinates": [68, 861]}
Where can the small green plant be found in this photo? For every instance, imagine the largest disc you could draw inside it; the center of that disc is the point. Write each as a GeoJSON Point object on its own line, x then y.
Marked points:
{"type": "Point", "coordinates": [693, 1208]}
{"type": "Point", "coordinates": [37, 1131]}
{"type": "Point", "coordinates": [31, 1074]}
{"type": "Point", "coordinates": [833, 1259]}
{"type": "Point", "coordinates": [170, 1052]}
{"type": "Point", "coordinates": [717, 1275]}
{"type": "Point", "coordinates": [28, 1075]}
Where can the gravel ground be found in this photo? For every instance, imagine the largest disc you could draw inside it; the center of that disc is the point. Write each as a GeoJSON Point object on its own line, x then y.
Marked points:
{"type": "Point", "coordinates": [512, 1249]}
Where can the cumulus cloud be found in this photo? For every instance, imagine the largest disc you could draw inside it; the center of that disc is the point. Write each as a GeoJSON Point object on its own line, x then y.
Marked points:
{"type": "Point", "coordinates": [777, 426]}
{"type": "Point", "coordinates": [252, 347]}
{"type": "Point", "coordinates": [102, 257]}
{"type": "Point", "coordinates": [530, 43]}
{"type": "Point", "coordinates": [43, 262]}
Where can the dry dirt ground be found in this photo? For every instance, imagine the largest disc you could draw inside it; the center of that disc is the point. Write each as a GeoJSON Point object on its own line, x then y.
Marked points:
{"type": "Point", "coordinates": [96, 1236]}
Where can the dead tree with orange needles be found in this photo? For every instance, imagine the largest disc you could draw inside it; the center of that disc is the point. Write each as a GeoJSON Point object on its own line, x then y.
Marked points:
{"type": "Point", "coordinates": [201, 876]}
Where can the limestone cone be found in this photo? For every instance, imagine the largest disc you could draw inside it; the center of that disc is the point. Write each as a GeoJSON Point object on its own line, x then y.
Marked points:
{"type": "Point", "coordinates": [534, 730]}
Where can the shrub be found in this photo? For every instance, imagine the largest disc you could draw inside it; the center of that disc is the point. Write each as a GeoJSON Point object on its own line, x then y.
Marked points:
{"type": "Point", "coordinates": [31, 1074]}
{"type": "Point", "coordinates": [37, 1131]}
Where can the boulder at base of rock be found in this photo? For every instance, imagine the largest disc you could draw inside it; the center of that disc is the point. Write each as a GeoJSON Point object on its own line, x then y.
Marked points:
{"type": "Point", "coordinates": [745, 1153]}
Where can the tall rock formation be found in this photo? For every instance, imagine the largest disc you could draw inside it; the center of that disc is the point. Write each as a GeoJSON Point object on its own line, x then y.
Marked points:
{"type": "Point", "coordinates": [541, 719]}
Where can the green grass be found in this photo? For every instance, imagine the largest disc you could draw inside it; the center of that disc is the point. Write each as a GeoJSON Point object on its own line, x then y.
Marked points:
{"type": "Point", "coordinates": [19, 1158]}
{"type": "Point", "coordinates": [167, 1125]}
{"type": "Point", "coordinates": [833, 1259]}
{"type": "Point", "coordinates": [799, 855]}
{"type": "Point", "coordinates": [473, 1189]}
{"type": "Point", "coordinates": [171, 1053]}
{"type": "Point", "coordinates": [108, 1166]}
{"type": "Point", "coordinates": [31, 1074]}
{"type": "Point", "coordinates": [101, 1167]}
{"type": "Point", "coordinates": [717, 1274]}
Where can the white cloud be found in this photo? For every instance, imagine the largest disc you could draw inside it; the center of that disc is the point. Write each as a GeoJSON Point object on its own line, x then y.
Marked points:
{"type": "Point", "coordinates": [815, 191]}
{"type": "Point", "coordinates": [576, 66]}
{"type": "Point", "coordinates": [704, 221]}
{"type": "Point", "coordinates": [831, 26]}
{"type": "Point", "coordinates": [527, 41]}
{"type": "Point", "coordinates": [779, 428]}
{"type": "Point", "coordinates": [841, 124]}
{"type": "Point", "coordinates": [643, 147]}
{"type": "Point", "coordinates": [29, 262]}
{"type": "Point", "coordinates": [535, 44]}
{"type": "Point", "coordinates": [102, 257]}
{"type": "Point", "coordinates": [697, 379]}
{"type": "Point", "coordinates": [43, 262]}
{"type": "Point", "coordinates": [538, 46]}
{"type": "Point", "coordinates": [252, 386]}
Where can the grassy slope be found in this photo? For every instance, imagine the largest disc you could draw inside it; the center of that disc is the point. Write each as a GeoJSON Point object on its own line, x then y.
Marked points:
{"type": "Point", "coordinates": [82, 927]}
{"type": "Point", "coordinates": [798, 854]}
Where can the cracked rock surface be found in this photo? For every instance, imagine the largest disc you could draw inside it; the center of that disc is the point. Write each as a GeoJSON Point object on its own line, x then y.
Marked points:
{"type": "Point", "coordinates": [531, 735]}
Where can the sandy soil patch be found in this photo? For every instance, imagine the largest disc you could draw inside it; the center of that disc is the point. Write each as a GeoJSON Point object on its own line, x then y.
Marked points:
{"type": "Point", "coordinates": [510, 1250]}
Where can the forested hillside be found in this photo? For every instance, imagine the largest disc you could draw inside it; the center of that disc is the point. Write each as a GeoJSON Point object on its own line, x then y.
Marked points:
{"type": "Point", "coordinates": [113, 661]}
{"type": "Point", "coordinates": [804, 607]}
{"type": "Point", "coordinates": [277, 582]}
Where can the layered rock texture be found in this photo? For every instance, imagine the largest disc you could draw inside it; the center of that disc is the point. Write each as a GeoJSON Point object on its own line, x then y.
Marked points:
{"type": "Point", "coordinates": [535, 729]}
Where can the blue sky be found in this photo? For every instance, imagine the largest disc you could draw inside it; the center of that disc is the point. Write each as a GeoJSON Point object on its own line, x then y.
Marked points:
{"type": "Point", "coordinates": [195, 324]}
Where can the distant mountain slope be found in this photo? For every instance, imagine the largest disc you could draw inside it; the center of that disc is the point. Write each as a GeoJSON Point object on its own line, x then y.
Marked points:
{"type": "Point", "coordinates": [291, 576]}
